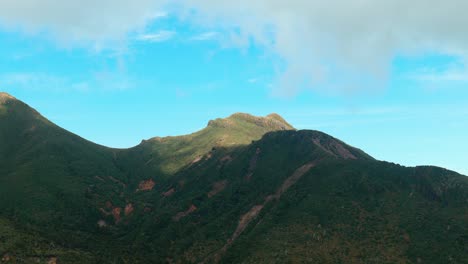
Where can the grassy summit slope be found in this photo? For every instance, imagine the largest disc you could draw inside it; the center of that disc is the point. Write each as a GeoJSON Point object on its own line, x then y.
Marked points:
{"type": "Point", "coordinates": [170, 154]}
{"type": "Point", "coordinates": [244, 189]}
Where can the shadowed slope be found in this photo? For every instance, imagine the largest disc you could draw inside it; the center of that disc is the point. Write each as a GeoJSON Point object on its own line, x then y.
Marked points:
{"type": "Point", "coordinates": [243, 190]}
{"type": "Point", "coordinates": [46, 172]}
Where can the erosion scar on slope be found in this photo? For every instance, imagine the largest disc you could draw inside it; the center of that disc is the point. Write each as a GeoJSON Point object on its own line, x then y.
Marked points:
{"type": "Point", "coordinates": [247, 218]}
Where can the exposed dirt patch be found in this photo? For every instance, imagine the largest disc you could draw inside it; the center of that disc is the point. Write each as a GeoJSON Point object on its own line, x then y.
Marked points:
{"type": "Point", "coordinates": [31, 129]}
{"type": "Point", "coordinates": [196, 160]}
{"type": "Point", "coordinates": [118, 181]}
{"type": "Point", "coordinates": [147, 185]}
{"type": "Point", "coordinates": [208, 156]}
{"type": "Point", "coordinates": [342, 151]}
{"type": "Point", "coordinates": [6, 257]}
{"type": "Point", "coordinates": [291, 180]}
{"type": "Point", "coordinates": [149, 161]}
{"type": "Point", "coordinates": [253, 164]}
{"type": "Point", "coordinates": [243, 223]}
{"type": "Point", "coordinates": [99, 178]}
{"type": "Point", "coordinates": [116, 211]}
{"type": "Point", "coordinates": [248, 217]}
{"type": "Point", "coordinates": [245, 220]}
{"type": "Point", "coordinates": [180, 215]}
{"type": "Point", "coordinates": [109, 209]}
{"type": "Point", "coordinates": [102, 224]}
{"type": "Point", "coordinates": [52, 260]}
{"type": "Point", "coordinates": [104, 212]}
{"type": "Point", "coordinates": [319, 144]}
{"type": "Point", "coordinates": [334, 148]}
{"type": "Point", "coordinates": [128, 209]}
{"type": "Point", "coordinates": [224, 161]}
{"type": "Point", "coordinates": [169, 192]}
{"type": "Point", "coordinates": [217, 187]}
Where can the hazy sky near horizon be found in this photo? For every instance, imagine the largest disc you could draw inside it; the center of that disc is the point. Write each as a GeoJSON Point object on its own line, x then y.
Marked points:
{"type": "Point", "coordinates": [389, 77]}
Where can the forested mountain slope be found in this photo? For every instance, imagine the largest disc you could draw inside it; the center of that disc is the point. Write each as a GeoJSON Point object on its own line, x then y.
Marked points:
{"type": "Point", "coordinates": [243, 190]}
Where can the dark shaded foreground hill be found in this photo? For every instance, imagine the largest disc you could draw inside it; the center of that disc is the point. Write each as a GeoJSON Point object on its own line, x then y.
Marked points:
{"type": "Point", "coordinates": [243, 190]}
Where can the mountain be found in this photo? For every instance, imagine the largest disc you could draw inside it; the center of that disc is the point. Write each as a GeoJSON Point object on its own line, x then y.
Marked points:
{"type": "Point", "coordinates": [244, 189]}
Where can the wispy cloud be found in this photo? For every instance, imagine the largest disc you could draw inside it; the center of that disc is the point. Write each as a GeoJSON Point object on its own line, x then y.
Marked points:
{"type": "Point", "coordinates": [252, 80]}
{"type": "Point", "coordinates": [449, 75]}
{"type": "Point", "coordinates": [210, 35]}
{"type": "Point", "coordinates": [181, 93]}
{"type": "Point", "coordinates": [159, 15]}
{"type": "Point", "coordinates": [57, 83]}
{"type": "Point", "coordinates": [113, 80]}
{"type": "Point", "coordinates": [32, 80]}
{"type": "Point", "coordinates": [161, 36]}
{"type": "Point", "coordinates": [81, 86]}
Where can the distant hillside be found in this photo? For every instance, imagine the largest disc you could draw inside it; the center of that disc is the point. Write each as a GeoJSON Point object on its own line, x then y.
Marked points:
{"type": "Point", "coordinates": [244, 189]}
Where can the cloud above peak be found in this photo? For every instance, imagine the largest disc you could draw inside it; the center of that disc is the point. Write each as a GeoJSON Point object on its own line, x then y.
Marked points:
{"type": "Point", "coordinates": [82, 22]}
{"type": "Point", "coordinates": [341, 45]}
{"type": "Point", "coordinates": [329, 45]}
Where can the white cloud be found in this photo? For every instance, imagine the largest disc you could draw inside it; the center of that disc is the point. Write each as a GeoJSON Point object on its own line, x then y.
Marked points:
{"type": "Point", "coordinates": [253, 80]}
{"type": "Point", "coordinates": [32, 80]}
{"type": "Point", "coordinates": [160, 36]}
{"type": "Point", "coordinates": [105, 80]}
{"type": "Point", "coordinates": [84, 22]}
{"type": "Point", "coordinates": [210, 35]}
{"type": "Point", "coordinates": [331, 45]}
{"type": "Point", "coordinates": [339, 45]}
{"type": "Point", "coordinates": [159, 15]}
{"type": "Point", "coordinates": [452, 74]}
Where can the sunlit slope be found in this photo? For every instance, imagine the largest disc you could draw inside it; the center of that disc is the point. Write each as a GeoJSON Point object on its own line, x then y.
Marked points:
{"type": "Point", "coordinates": [244, 189]}
{"type": "Point", "coordinates": [168, 155]}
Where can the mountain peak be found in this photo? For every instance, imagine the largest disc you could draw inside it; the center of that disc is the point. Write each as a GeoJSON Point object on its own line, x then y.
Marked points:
{"type": "Point", "coordinates": [271, 122]}
{"type": "Point", "coordinates": [18, 110]}
{"type": "Point", "coordinates": [277, 117]}
{"type": "Point", "coordinates": [4, 97]}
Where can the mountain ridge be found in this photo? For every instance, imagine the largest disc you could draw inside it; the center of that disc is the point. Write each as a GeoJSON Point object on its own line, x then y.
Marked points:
{"type": "Point", "coordinates": [243, 189]}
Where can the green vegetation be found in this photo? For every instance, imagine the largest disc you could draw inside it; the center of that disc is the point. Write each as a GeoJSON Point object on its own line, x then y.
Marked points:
{"type": "Point", "coordinates": [168, 155]}
{"type": "Point", "coordinates": [26, 247]}
{"type": "Point", "coordinates": [243, 190]}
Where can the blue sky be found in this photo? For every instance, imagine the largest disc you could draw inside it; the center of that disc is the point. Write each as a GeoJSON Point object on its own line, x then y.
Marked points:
{"type": "Point", "coordinates": [172, 72]}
